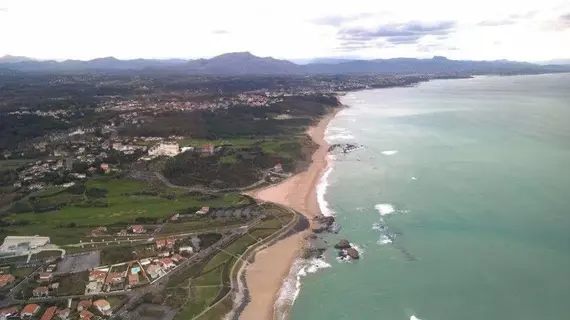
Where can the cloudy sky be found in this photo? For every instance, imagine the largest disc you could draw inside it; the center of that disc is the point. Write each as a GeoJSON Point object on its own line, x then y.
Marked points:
{"type": "Point", "coordinates": [527, 30]}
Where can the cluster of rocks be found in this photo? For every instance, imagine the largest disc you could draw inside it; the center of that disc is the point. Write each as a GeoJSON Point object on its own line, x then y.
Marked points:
{"type": "Point", "coordinates": [344, 147]}
{"type": "Point", "coordinates": [346, 250]}
{"type": "Point", "coordinates": [323, 223]}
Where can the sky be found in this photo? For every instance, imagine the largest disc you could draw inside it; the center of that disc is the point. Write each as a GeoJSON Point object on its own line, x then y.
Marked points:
{"type": "Point", "coordinates": [523, 30]}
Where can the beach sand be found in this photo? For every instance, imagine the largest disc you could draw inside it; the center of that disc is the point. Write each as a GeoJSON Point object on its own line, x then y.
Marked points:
{"type": "Point", "coordinates": [265, 276]}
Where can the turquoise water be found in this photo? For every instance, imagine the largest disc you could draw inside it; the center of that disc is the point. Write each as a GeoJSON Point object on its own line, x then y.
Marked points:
{"type": "Point", "coordinates": [478, 175]}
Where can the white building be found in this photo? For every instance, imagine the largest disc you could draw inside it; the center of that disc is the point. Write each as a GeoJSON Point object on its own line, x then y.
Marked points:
{"type": "Point", "coordinates": [22, 244]}
{"type": "Point", "coordinates": [164, 149]}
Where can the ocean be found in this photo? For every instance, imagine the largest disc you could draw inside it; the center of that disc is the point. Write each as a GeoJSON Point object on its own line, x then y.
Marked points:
{"type": "Point", "coordinates": [459, 202]}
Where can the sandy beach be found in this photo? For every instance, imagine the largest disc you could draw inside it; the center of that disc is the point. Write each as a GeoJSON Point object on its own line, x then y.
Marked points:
{"type": "Point", "coordinates": [265, 276]}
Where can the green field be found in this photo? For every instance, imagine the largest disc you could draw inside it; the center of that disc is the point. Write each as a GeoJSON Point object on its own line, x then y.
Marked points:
{"type": "Point", "coordinates": [125, 206]}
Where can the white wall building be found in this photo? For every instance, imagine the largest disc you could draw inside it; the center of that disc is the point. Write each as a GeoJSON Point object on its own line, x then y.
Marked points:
{"type": "Point", "coordinates": [165, 149]}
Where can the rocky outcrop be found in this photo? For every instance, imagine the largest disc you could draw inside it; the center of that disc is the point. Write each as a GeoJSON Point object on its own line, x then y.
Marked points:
{"type": "Point", "coordinates": [344, 147]}
{"type": "Point", "coordinates": [323, 223]}
{"type": "Point", "coordinates": [353, 253]}
{"type": "Point", "coordinates": [342, 244]}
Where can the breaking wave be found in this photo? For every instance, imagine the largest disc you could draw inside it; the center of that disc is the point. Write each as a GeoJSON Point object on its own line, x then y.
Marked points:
{"type": "Point", "coordinates": [292, 284]}
{"type": "Point", "coordinates": [385, 208]}
{"type": "Point", "coordinates": [389, 152]}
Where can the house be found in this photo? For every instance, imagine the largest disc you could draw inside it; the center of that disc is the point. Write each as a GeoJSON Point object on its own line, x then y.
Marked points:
{"type": "Point", "coordinates": [137, 228]}
{"type": "Point", "coordinates": [45, 277]}
{"type": "Point", "coordinates": [85, 315]}
{"type": "Point", "coordinates": [189, 249]}
{"type": "Point", "coordinates": [97, 276]}
{"type": "Point", "coordinates": [8, 312]}
{"type": "Point", "coordinates": [105, 167]}
{"type": "Point", "coordinates": [165, 243]}
{"type": "Point", "coordinates": [103, 306]}
{"type": "Point", "coordinates": [40, 292]}
{"type": "Point", "coordinates": [203, 211]}
{"type": "Point", "coordinates": [51, 268]}
{"type": "Point", "coordinates": [93, 287]}
{"type": "Point", "coordinates": [6, 279]}
{"type": "Point", "coordinates": [208, 149]}
{"type": "Point", "coordinates": [29, 310]}
{"type": "Point", "coordinates": [278, 167]}
{"type": "Point", "coordinates": [63, 314]}
{"type": "Point", "coordinates": [49, 313]}
{"type": "Point", "coordinates": [54, 286]}
{"type": "Point", "coordinates": [98, 231]}
{"type": "Point", "coordinates": [114, 278]}
{"type": "Point", "coordinates": [83, 305]}
{"type": "Point", "coordinates": [177, 258]}
{"type": "Point", "coordinates": [154, 271]}
{"type": "Point", "coordinates": [133, 279]}
{"type": "Point", "coordinates": [166, 263]}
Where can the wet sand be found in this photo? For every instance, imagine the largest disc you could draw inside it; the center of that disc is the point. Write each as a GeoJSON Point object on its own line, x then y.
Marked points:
{"type": "Point", "coordinates": [265, 276]}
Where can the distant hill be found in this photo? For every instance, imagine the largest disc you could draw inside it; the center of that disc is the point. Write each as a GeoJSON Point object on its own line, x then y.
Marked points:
{"type": "Point", "coordinates": [243, 63]}
{"type": "Point", "coordinates": [555, 62]}
{"type": "Point", "coordinates": [13, 59]}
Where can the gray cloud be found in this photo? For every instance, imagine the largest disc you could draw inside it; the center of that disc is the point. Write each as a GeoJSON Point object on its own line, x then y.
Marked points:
{"type": "Point", "coordinates": [338, 20]}
{"type": "Point", "coordinates": [398, 33]}
{"type": "Point", "coordinates": [560, 24]}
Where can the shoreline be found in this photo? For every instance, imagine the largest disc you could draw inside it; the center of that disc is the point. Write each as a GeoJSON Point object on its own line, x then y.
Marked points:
{"type": "Point", "coordinates": [299, 192]}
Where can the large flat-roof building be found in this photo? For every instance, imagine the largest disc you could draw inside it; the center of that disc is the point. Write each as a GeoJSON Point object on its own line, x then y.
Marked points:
{"type": "Point", "coordinates": [19, 244]}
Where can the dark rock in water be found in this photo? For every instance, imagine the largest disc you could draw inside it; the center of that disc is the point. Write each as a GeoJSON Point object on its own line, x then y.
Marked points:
{"type": "Point", "coordinates": [342, 254]}
{"type": "Point", "coordinates": [344, 147]}
{"type": "Point", "coordinates": [343, 244]}
{"type": "Point", "coordinates": [353, 253]}
{"type": "Point", "coordinates": [334, 228]}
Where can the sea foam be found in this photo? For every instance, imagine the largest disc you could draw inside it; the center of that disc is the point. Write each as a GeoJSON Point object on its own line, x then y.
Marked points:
{"type": "Point", "coordinates": [321, 192]}
{"type": "Point", "coordinates": [385, 208]}
{"type": "Point", "coordinates": [292, 284]}
{"type": "Point", "coordinates": [414, 318]}
{"type": "Point", "coordinates": [389, 152]}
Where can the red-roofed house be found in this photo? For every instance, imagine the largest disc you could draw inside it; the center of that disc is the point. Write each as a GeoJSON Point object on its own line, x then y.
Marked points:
{"type": "Point", "coordinates": [6, 279]}
{"type": "Point", "coordinates": [115, 277]}
{"type": "Point", "coordinates": [103, 306]}
{"type": "Point", "coordinates": [50, 312]}
{"type": "Point", "coordinates": [85, 315]}
{"type": "Point", "coordinates": [133, 279]}
{"type": "Point", "coordinates": [154, 271]}
{"type": "Point", "coordinates": [10, 311]}
{"type": "Point", "coordinates": [40, 292]}
{"type": "Point", "coordinates": [165, 243]}
{"type": "Point", "coordinates": [97, 276]}
{"type": "Point", "coordinates": [203, 211]}
{"type": "Point", "coordinates": [137, 228]}
{"type": "Point", "coordinates": [166, 263]}
{"type": "Point", "coordinates": [83, 305]}
{"type": "Point", "coordinates": [30, 310]}
{"type": "Point", "coordinates": [105, 167]}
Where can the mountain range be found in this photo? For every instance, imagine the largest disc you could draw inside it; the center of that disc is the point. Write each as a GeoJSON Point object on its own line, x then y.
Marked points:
{"type": "Point", "coordinates": [245, 63]}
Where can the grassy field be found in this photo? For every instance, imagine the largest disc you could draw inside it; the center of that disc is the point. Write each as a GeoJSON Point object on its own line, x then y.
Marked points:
{"type": "Point", "coordinates": [71, 223]}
